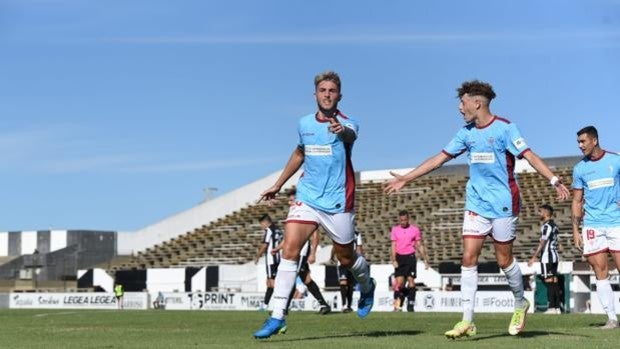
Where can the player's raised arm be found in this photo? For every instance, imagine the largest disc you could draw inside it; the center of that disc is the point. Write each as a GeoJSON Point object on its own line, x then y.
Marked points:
{"type": "Point", "coordinates": [292, 166]}
{"type": "Point", "coordinates": [430, 164]}
{"type": "Point", "coordinates": [347, 134]}
{"type": "Point", "coordinates": [539, 165]}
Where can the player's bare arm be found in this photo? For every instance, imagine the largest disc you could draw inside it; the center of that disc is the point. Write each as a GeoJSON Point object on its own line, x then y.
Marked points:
{"type": "Point", "coordinates": [420, 246]}
{"type": "Point", "coordinates": [292, 166]}
{"type": "Point", "coordinates": [393, 255]}
{"type": "Point", "coordinates": [539, 165]}
{"type": "Point", "coordinates": [277, 248]}
{"type": "Point", "coordinates": [539, 248]}
{"type": "Point", "coordinates": [430, 164]}
{"type": "Point", "coordinates": [261, 251]}
{"type": "Point", "coordinates": [577, 214]}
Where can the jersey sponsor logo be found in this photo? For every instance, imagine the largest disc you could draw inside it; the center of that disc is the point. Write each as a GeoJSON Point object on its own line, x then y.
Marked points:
{"type": "Point", "coordinates": [482, 158]}
{"type": "Point", "coordinates": [318, 150]}
{"type": "Point", "coordinates": [601, 183]}
{"type": "Point", "coordinates": [519, 143]}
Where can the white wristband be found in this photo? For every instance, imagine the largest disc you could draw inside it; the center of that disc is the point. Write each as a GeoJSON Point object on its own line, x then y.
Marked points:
{"type": "Point", "coordinates": [554, 181]}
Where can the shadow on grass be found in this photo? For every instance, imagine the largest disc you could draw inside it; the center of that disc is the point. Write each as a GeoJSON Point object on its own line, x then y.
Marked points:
{"type": "Point", "coordinates": [374, 334]}
{"type": "Point", "coordinates": [597, 324]}
{"type": "Point", "coordinates": [527, 334]}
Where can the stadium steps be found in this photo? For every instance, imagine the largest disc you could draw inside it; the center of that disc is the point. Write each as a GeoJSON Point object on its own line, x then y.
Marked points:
{"type": "Point", "coordinates": [435, 203]}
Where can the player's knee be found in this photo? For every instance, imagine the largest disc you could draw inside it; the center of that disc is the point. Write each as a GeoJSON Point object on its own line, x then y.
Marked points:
{"type": "Point", "coordinates": [601, 273]}
{"type": "Point", "coordinates": [504, 262]}
{"type": "Point", "coordinates": [291, 254]}
{"type": "Point", "coordinates": [470, 259]}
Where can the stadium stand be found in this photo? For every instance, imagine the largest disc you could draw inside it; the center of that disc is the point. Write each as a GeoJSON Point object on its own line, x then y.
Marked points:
{"type": "Point", "coordinates": [435, 202]}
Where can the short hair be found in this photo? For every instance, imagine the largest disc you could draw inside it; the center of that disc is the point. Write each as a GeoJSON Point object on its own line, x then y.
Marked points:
{"type": "Point", "coordinates": [265, 217]}
{"type": "Point", "coordinates": [476, 88]}
{"type": "Point", "coordinates": [403, 213]}
{"type": "Point", "coordinates": [292, 192]}
{"type": "Point", "coordinates": [589, 130]}
{"type": "Point", "coordinates": [327, 75]}
{"type": "Point", "coordinates": [547, 208]}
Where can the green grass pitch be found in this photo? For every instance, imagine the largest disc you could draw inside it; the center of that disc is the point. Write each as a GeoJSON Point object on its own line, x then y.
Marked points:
{"type": "Point", "coordinates": [210, 329]}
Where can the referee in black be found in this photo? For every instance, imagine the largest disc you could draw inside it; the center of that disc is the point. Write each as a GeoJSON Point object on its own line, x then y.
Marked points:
{"type": "Point", "coordinates": [547, 251]}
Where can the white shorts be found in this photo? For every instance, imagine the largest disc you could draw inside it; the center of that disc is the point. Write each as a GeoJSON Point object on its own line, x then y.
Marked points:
{"type": "Point", "coordinates": [598, 240]}
{"type": "Point", "coordinates": [339, 226]}
{"type": "Point", "coordinates": [502, 230]}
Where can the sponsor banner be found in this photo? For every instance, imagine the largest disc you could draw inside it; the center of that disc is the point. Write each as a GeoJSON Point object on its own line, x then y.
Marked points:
{"type": "Point", "coordinates": [426, 301]}
{"type": "Point", "coordinates": [90, 300]}
{"type": "Point", "coordinates": [233, 301]}
{"type": "Point", "coordinates": [483, 279]}
{"type": "Point", "coordinates": [486, 301]}
{"type": "Point", "coordinates": [595, 303]}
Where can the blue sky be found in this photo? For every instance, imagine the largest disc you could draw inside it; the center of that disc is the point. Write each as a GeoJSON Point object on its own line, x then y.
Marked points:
{"type": "Point", "coordinates": [118, 113]}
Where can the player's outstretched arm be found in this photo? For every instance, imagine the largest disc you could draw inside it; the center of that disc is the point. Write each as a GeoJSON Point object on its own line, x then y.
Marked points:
{"type": "Point", "coordinates": [539, 165]}
{"type": "Point", "coordinates": [293, 164]}
{"type": "Point", "coordinates": [577, 213]}
{"type": "Point", "coordinates": [346, 134]}
{"type": "Point", "coordinates": [430, 164]}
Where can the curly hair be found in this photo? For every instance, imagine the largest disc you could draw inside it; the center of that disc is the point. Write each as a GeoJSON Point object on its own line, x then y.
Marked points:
{"type": "Point", "coordinates": [327, 75]}
{"type": "Point", "coordinates": [476, 88]}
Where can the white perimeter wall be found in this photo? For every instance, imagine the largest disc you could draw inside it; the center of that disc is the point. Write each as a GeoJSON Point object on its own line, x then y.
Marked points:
{"type": "Point", "coordinates": [58, 240]}
{"type": "Point", "coordinates": [4, 244]}
{"type": "Point", "coordinates": [29, 242]}
{"type": "Point", "coordinates": [199, 280]}
{"type": "Point", "coordinates": [100, 278]}
{"type": "Point", "coordinates": [165, 279]}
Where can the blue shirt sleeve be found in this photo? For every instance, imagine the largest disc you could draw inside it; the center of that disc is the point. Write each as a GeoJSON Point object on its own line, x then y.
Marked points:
{"type": "Point", "coordinates": [457, 145]}
{"type": "Point", "coordinates": [577, 179]}
{"type": "Point", "coordinates": [351, 124]}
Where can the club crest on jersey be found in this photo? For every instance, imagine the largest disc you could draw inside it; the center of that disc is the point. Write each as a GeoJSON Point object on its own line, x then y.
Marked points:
{"type": "Point", "coordinates": [491, 140]}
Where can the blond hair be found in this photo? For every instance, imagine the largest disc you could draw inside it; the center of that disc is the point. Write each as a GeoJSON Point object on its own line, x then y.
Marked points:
{"type": "Point", "coordinates": [327, 75]}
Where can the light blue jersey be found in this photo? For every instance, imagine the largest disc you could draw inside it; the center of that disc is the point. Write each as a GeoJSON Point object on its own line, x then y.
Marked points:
{"type": "Point", "coordinates": [492, 190]}
{"type": "Point", "coordinates": [600, 181]}
{"type": "Point", "coordinates": [328, 180]}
